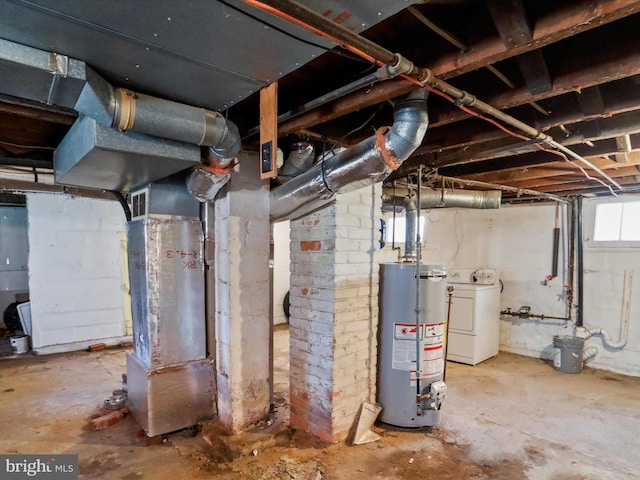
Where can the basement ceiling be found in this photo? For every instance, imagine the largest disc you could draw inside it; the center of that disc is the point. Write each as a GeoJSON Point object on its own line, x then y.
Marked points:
{"type": "Point", "coordinates": [570, 69]}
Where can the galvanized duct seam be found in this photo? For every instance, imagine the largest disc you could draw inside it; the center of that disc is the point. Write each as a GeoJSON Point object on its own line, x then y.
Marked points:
{"type": "Point", "coordinates": [366, 163]}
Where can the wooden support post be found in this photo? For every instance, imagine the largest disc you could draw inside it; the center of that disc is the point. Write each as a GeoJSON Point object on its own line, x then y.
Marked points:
{"type": "Point", "coordinates": [269, 131]}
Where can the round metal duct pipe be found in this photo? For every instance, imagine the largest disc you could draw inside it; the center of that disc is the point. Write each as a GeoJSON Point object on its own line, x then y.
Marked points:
{"type": "Point", "coordinates": [366, 163]}
{"type": "Point", "coordinates": [444, 198]}
{"type": "Point", "coordinates": [299, 160]}
{"type": "Point", "coordinates": [131, 111]}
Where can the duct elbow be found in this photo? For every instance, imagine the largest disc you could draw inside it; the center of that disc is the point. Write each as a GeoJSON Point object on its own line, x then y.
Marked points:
{"type": "Point", "coordinates": [228, 142]}
{"type": "Point", "coordinates": [411, 121]}
{"type": "Point", "coordinates": [97, 99]}
{"type": "Point", "coordinates": [204, 185]}
{"type": "Point", "coordinates": [361, 165]}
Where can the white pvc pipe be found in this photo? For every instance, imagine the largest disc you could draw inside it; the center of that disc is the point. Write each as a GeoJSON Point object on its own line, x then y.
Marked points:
{"type": "Point", "coordinates": [624, 317]}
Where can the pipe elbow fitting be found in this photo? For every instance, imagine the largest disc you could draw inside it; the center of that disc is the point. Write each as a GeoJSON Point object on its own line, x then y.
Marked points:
{"type": "Point", "coordinates": [411, 121]}
{"type": "Point", "coordinates": [229, 143]}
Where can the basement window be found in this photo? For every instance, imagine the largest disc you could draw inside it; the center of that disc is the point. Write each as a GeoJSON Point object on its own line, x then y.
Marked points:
{"type": "Point", "coordinates": [400, 226]}
{"type": "Point", "coordinates": [614, 222]}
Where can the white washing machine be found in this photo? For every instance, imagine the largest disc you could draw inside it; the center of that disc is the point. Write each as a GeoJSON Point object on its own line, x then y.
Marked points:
{"type": "Point", "coordinates": [474, 328]}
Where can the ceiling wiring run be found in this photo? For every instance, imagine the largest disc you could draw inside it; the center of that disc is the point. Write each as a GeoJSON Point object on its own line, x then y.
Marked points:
{"type": "Point", "coordinates": [421, 77]}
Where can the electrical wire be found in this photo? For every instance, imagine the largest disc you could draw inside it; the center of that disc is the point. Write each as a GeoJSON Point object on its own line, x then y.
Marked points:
{"type": "Point", "coordinates": [508, 131]}
{"type": "Point", "coordinates": [278, 13]}
{"type": "Point", "coordinates": [584, 172]}
{"type": "Point", "coordinates": [35, 147]}
{"type": "Point", "coordinates": [364, 124]}
{"type": "Point", "coordinates": [456, 221]}
{"type": "Point", "coordinates": [258, 4]}
{"type": "Point", "coordinates": [291, 35]}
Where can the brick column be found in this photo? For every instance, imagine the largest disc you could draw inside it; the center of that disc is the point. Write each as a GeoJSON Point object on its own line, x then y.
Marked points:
{"type": "Point", "coordinates": [242, 296]}
{"type": "Point", "coordinates": [334, 313]}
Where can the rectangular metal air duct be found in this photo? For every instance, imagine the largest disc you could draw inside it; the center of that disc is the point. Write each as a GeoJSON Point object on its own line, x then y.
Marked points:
{"type": "Point", "coordinates": [45, 77]}
{"type": "Point", "coordinates": [94, 155]}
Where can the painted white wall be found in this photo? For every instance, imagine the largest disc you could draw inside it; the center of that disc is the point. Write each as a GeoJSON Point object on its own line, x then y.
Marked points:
{"type": "Point", "coordinates": [14, 278]}
{"type": "Point", "coordinates": [75, 271]}
{"type": "Point", "coordinates": [517, 241]}
{"type": "Point", "coordinates": [281, 272]}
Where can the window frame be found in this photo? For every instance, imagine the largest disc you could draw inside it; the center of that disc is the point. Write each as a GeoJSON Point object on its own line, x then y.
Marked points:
{"type": "Point", "coordinates": [590, 222]}
{"type": "Point", "coordinates": [401, 242]}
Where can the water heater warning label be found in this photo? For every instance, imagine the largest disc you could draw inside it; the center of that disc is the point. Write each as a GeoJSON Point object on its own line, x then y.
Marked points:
{"type": "Point", "coordinates": [404, 349]}
{"type": "Point", "coordinates": [406, 331]}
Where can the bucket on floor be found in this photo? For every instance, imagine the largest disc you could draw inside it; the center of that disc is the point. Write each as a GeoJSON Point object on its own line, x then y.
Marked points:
{"type": "Point", "coordinates": [20, 344]}
{"type": "Point", "coordinates": [567, 356]}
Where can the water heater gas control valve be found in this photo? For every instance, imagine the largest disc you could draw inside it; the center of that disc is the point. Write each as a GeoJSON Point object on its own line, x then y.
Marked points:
{"type": "Point", "coordinates": [438, 391]}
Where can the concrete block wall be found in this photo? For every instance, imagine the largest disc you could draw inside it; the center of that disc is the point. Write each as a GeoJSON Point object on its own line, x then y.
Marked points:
{"type": "Point", "coordinates": [76, 279]}
{"type": "Point", "coordinates": [334, 313]}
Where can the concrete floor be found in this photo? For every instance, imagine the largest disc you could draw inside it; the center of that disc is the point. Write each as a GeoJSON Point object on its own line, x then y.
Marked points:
{"type": "Point", "coordinates": [510, 417]}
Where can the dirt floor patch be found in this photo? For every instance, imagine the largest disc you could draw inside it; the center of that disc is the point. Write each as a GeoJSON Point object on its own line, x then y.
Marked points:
{"type": "Point", "coordinates": [308, 458]}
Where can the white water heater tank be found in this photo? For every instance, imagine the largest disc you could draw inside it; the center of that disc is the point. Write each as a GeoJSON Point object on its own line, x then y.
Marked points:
{"type": "Point", "coordinates": [400, 382]}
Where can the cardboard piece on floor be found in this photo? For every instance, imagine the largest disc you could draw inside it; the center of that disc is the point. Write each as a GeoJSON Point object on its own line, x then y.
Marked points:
{"type": "Point", "coordinates": [366, 417]}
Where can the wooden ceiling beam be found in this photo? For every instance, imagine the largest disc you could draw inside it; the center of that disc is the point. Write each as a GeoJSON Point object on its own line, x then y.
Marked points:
{"type": "Point", "coordinates": [566, 21]}
{"type": "Point", "coordinates": [479, 141]}
{"type": "Point", "coordinates": [512, 23]}
{"type": "Point", "coordinates": [567, 189]}
{"type": "Point", "coordinates": [29, 109]}
{"type": "Point", "coordinates": [552, 169]}
{"type": "Point", "coordinates": [624, 65]}
{"type": "Point", "coordinates": [574, 177]}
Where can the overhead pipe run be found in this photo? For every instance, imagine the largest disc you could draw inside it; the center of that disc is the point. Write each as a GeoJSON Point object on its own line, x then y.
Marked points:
{"type": "Point", "coordinates": [504, 188]}
{"type": "Point", "coordinates": [423, 77]}
{"type": "Point", "coordinates": [398, 199]}
{"type": "Point", "coordinates": [366, 163]}
{"type": "Point", "coordinates": [446, 198]}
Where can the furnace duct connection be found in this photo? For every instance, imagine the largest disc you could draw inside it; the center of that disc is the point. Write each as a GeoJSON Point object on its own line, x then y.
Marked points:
{"type": "Point", "coordinates": [366, 163]}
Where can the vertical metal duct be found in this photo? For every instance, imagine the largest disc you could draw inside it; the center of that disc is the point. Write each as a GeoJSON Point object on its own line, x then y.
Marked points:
{"type": "Point", "coordinates": [411, 214]}
{"type": "Point", "coordinates": [366, 163]}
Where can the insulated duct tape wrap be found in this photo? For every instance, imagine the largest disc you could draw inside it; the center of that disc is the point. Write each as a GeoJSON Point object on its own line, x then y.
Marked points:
{"type": "Point", "coordinates": [204, 185]}
{"type": "Point", "coordinates": [364, 164]}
